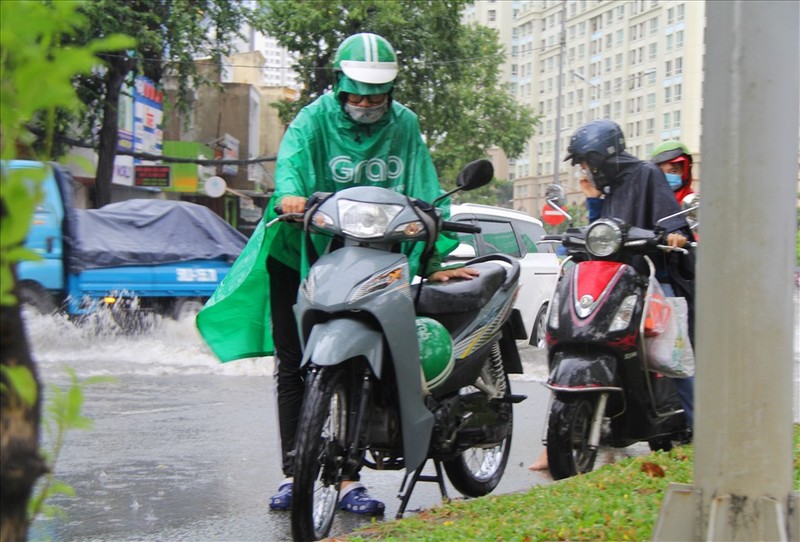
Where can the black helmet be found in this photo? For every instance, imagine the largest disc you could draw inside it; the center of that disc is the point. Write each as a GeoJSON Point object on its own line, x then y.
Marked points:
{"type": "Point", "coordinates": [595, 141]}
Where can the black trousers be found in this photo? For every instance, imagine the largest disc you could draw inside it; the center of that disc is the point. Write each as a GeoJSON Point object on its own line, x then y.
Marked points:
{"type": "Point", "coordinates": [284, 283]}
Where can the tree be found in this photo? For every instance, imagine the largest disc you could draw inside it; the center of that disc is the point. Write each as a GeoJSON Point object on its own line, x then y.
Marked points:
{"type": "Point", "coordinates": [170, 35]}
{"type": "Point", "coordinates": [31, 55]}
{"type": "Point", "coordinates": [449, 72]}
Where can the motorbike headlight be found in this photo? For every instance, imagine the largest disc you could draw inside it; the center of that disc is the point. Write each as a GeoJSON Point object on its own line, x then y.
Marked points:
{"type": "Point", "coordinates": [366, 220]}
{"type": "Point", "coordinates": [624, 314]}
{"type": "Point", "coordinates": [604, 238]}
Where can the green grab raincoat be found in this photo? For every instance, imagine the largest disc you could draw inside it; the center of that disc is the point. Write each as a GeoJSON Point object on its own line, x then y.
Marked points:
{"type": "Point", "coordinates": [323, 150]}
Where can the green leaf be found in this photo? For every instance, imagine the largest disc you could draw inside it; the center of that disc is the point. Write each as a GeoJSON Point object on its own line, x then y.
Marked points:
{"type": "Point", "coordinates": [22, 382]}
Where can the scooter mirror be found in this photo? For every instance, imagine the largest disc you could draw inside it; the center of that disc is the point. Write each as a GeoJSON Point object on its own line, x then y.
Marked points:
{"type": "Point", "coordinates": [556, 194]}
{"type": "Point", "coordinates": [475, 174]}
{"type": "Point", "coordinates": [691, 203]}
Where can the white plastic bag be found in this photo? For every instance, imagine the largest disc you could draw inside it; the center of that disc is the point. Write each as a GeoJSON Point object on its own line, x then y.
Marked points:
{"type": "Point", "coordinates": [670, 352]}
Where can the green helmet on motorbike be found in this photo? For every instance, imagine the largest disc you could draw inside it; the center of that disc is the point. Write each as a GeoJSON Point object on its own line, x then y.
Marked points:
{"type": "Point", "coordinates": [435, 351]}
{"type": "Point", "coordinates": [365, 64]}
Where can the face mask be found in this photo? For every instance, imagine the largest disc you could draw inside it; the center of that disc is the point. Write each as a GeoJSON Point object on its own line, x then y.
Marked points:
{"type": "Point", "coordinates": [674, 180]}
{"type": "Point", "coordinates": [366, 115]}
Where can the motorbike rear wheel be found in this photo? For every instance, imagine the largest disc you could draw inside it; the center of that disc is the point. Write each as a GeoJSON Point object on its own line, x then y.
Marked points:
{"type": "Point", "coordinates": [320, 451]}
{"type": "Point", "coordinates": [568, 451]}
{"type": "Point", "coordinates": [478, 470]}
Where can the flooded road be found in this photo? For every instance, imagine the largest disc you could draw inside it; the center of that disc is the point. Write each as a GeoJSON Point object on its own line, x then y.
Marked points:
{"type": "Point", "coordinates": [184, 448]}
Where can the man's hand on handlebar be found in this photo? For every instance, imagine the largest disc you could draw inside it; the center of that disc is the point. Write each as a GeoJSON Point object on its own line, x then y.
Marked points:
{"type": "Point", "coordinates": [459, 273]}
{"type": "Point", "coordinates": [293, 204]}
{"type": "Point", "coordinates": [677, 240]}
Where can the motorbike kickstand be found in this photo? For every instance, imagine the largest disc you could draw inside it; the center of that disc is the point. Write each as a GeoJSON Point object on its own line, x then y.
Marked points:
{"type": "Point", "coordinates": [408, 485]}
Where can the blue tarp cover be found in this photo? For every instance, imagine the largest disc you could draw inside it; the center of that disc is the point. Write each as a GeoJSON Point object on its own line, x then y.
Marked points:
{"type": "Point", "coordinates": [148, 232]}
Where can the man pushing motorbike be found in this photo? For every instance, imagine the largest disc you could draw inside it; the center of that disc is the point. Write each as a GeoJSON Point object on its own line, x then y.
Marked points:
{"type": "Point", "coordinates": [355, 135]}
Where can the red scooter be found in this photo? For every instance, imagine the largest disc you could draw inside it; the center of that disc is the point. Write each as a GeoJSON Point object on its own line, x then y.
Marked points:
{"type": "Point", "coordinates": [604, 392]}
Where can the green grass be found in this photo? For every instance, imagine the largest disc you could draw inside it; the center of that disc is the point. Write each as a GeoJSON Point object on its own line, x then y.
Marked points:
{"type": "Point", "coordinates": [616, 502]}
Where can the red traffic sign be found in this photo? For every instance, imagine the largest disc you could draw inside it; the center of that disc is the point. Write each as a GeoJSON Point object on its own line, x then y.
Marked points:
{"type": "Point", "coordinates": [552, 216]}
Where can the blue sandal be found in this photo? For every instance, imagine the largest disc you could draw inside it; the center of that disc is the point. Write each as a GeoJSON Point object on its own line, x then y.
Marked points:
{"type": "Point", "coordinates": [282, 500]}
{"type": "Point", "coordinates": [358, 501]}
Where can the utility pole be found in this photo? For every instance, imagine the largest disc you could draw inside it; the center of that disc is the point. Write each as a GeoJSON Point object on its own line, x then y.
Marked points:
{"type": "Point", "coordinates": [742, 487]}
{"type": "Point", "coordinates": [562, 42]}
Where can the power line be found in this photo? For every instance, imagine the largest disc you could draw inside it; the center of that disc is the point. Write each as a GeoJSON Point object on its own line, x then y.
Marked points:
{"type": "Point", "coordinates": [311, 68]}
{"type": "Point", "coordinates": [157, 157]}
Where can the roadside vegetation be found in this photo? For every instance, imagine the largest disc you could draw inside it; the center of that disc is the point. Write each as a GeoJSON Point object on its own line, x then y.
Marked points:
{"type": "Point", "coordinates": [616, 502]}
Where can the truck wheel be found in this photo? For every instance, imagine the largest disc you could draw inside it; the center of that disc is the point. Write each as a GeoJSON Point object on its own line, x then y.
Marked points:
{"type": "Point", "coordinates": [35, 297]}
{"type": "Point", "coordinates": [186, 307]}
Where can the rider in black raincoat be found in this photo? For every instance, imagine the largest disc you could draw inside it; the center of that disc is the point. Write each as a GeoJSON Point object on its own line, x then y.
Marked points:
{"type": "Point", "coordinates": [637, 192]}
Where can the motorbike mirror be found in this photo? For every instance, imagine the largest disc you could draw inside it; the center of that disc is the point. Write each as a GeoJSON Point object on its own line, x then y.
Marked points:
{"type": "Point", "coordinates": [555, 194]}
{"type": "Point", "coordinates": [691, 203]}
{"type": "Point", "coordinates": [475, 175]}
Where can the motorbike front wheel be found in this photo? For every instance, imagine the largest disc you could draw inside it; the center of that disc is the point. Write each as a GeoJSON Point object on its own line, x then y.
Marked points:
{"type": "Point", "coordinates": [320, 450]}
{"type": "Point", "coordinates": [478, 470]}
{"type": "Point", "coordinates": [568, 451]}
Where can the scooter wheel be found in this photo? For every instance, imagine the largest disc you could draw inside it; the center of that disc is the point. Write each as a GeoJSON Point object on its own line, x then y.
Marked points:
{"type": "Point", "coordinates": [568, 451]}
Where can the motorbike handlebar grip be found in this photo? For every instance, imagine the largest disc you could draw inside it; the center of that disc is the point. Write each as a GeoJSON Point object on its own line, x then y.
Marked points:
{"type": "Point", "coordinates": [460, 227]}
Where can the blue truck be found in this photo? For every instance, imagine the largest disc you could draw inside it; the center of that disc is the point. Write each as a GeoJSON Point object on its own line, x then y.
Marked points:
{"type": "Point", "coordinates": [134, 257]}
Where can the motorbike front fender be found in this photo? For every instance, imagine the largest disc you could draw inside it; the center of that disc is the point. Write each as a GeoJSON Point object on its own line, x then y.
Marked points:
{"type": "Point", "coordinates": [335, 341]}
{"type": "Point", "coordinates": [571, 372]}
{"type": "Point", "coordinates": [327, 348]}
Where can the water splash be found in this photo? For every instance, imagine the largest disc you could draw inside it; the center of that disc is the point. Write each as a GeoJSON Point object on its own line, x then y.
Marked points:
{"type": "Point", "coordinates": [99, 347]}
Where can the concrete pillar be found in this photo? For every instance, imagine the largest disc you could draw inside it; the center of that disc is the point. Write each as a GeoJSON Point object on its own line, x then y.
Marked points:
{"type": "Point", "coordinates": [744, 382]}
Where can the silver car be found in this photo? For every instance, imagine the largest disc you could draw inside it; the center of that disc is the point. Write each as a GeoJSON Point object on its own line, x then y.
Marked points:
{"type": "Point", "coordinates": [517, 234]}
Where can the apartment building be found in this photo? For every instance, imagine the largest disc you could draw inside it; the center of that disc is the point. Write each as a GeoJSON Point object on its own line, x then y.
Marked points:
{"type": "Point", "coordinates": [637, 62]}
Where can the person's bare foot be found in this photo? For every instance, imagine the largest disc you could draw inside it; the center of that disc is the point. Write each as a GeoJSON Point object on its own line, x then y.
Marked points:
{"type": "Point", "coordinates": [540, 463]}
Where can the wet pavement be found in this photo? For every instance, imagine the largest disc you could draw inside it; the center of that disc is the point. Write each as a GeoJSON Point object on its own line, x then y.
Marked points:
{"type": "Point", "coordinates": [184, 448]}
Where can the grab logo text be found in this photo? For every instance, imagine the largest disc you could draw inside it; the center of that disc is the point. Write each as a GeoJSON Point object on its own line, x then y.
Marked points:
{"type": "Point", "coordinates": [374, 170]}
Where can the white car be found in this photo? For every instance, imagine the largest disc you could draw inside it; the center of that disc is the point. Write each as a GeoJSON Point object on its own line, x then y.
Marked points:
{"type": "Point", "coordinates": [516, 234]}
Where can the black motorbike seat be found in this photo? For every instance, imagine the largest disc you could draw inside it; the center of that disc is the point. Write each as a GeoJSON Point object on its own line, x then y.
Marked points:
{"type": "Point", "coordinates": [462, 295]}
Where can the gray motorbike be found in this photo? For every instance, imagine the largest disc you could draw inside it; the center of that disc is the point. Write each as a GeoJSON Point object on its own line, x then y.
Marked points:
{"type": "Point", "coordinates": [399, 373]}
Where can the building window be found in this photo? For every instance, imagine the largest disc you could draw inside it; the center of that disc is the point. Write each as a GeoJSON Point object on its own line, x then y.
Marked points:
{"type": "Point", "coordinates": [678, 66]}
{"type": "Point", "coordinates": [677, 92]}
{"type": "Point", "coordinates": [651, 101]}
{"type": "Point", "coordinates": [667, 95]}
{"type": "Point", "coordinates": [679, 12]}
{"type": "Point", "coordinates": [492, 15]}
{"type": "Point", "coordinates": [668, 69]}
{"type": "Point", "coordinates": [653, 51]}
{"type": "Point", "coordinates": [650, 126]}
{"type": "Point", "coordinates": [679, 39]}
{"type": "Point", "coordinates": [670, 16]}
{"type": "Point", "coordinates": [669, 43]}
{"type": "Point", "coordinates": [676, 119]}
{"type": "Point", "coordinates": [667, 121]}
{"type": "Point", "coordinates": [653, 25]}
